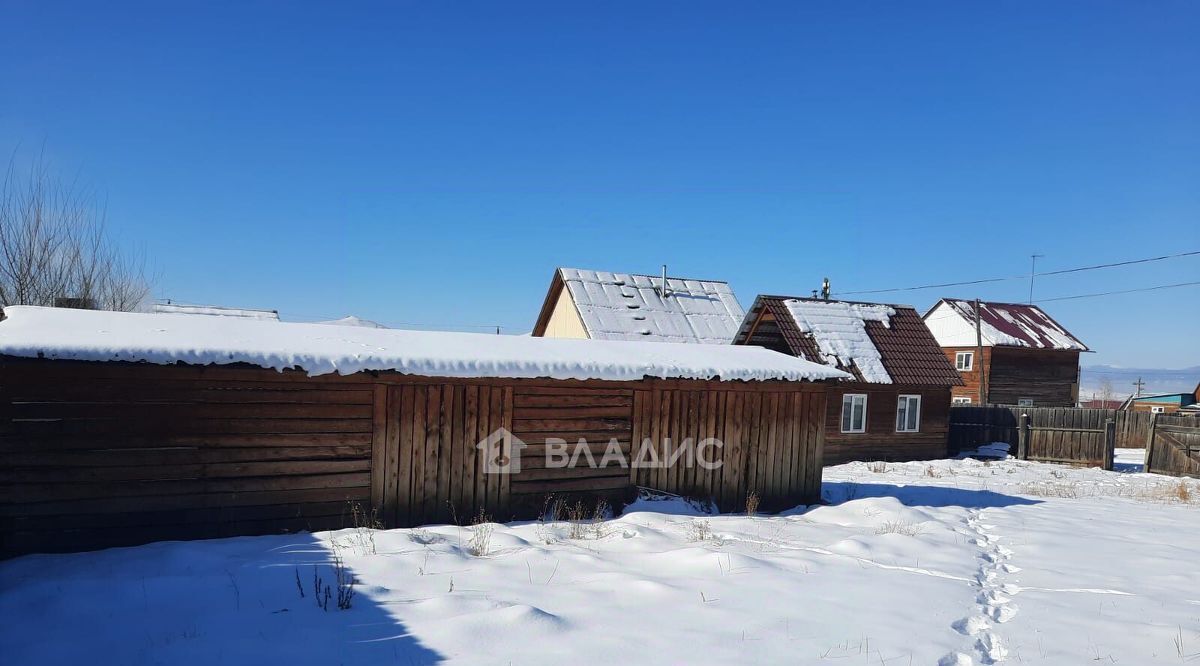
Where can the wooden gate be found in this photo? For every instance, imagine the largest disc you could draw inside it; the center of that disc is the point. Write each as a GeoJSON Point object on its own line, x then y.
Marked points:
{"type": "Point", "coordinates": [1173, 446]}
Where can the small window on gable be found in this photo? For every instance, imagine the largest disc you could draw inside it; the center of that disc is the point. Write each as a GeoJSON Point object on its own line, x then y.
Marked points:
{"type": "Point", "coordinates": [854, 412]}
{"type": "Point", "coordinates": [961, 400]}
{"type": "Point", "coordinates": [1024, 402]}
{"type": "Point", "coordinates": [964, 361]}
{"type": "Point", "coordinates": [1157, 409]}
{"type": "Point", "coordinates": [908, 414]}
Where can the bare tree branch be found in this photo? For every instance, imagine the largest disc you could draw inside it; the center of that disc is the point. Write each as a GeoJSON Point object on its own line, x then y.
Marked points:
{"type": "Point", "coordinates": [53, 245]}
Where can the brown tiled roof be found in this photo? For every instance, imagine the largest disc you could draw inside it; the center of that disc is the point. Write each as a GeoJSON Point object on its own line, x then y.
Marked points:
{"type": "Point", "coordinates": [910, 354]}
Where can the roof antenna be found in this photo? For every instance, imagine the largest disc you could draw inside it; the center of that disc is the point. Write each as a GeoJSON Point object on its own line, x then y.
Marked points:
{"type": "Point", "coordinates": [825, 289]}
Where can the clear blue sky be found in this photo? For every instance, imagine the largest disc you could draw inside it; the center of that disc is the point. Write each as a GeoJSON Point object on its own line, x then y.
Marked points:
{"type": "Point", "coordinates": [432, 163]}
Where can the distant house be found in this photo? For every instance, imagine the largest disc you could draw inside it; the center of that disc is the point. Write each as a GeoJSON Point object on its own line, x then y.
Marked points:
{"type": "Point", "coordinates": [215, 311]}
{"type": "Point", "coordinates": [897, 406]}
{"type": "Point", "coordinates": [1167, 403]}
{"type": "Point", "coordinates": [622, 306]}
{"type": "Point", "coordinates": [1026, 359]}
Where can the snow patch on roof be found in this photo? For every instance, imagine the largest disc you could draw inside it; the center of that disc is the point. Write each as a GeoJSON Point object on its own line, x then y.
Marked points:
{"type": "Point", "coordinates": [622, 306]}
{"type": "Point", "coordinates": [89, 335]}
{"type": "Point", "coordinates": [215, 311]}
{"type": "Point", "coordinates": [840, 331]}
{"type": "Point", "coordinates": [1026, 326]}
{"type": "Point", "coordinates": [351, 320]}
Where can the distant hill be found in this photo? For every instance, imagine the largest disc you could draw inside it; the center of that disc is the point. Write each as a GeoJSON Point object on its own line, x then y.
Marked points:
{"type": "Point", "coordinates": [1158, 380]}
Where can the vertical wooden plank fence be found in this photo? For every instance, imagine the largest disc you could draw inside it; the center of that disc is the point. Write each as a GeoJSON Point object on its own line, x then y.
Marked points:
{"type": "Point", "coordinates": [1054, 434]}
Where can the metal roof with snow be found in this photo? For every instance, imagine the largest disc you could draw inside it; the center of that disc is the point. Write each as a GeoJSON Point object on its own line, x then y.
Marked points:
{"type": "Point", "coordinates": [628, 306]}
{"type": "Point", "coordinates": [952, 322]}
{"type": "Point", "coordinates": [876, 343]}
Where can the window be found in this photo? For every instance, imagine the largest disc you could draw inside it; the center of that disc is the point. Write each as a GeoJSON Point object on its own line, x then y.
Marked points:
{"type": "Point", "coordinates": [854, 412]}
{"type": "Point", "coordinates": [1024, 402]}
{"type": "Point", "coordinates": [961, 400]}
{"type": "Point", "coordinates": [908, 413]}
{"type": "Point", "coordinates": [1156, 410]}
{"type": "Point", "coordinates": [964, 361]}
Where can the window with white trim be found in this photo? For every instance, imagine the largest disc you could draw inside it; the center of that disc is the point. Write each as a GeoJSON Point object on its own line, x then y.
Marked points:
{"type": "Point", "coordinates": [1157, 409]}
{"type": "Point", "coordinates": [908, 413]}
{"type": "Point", "coordinates": [964, 361]}
{"type": "Point", "coordinates": [854, 412]}
{"type": "Point", "coordinates": [961, 400]}
{"type": "Point", "coordinates": [1024, 402]}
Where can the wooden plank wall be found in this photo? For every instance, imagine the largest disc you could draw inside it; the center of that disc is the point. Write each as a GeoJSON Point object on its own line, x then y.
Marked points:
{"type": "Point", "coordinates": [1175, 449]}
{"type": "Point", "coordinates": [772, 440]}
{"type": "Point", "coordinates": [105, 454]}
{"type": "Point", "coordinates": [881, 441]}
{"type": "Point", "coordinates": [428, 469]}
{"type": "Point", "coordinates": [101, 454]}
{"type": "Point", "coordinates": [597, 416]}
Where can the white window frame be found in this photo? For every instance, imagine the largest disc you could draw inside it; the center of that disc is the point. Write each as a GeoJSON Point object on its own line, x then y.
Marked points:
{"type": "Point", "coordinates": [969, 366]}
{"type": "Point", "coordinates": [960, 400]}
{"type": "Point", "coordinates": [1024, 402]}
{"type": "Point", "coordinates": [851, 398]}
{"type": "Point", "coordinates": [907, 399]}
{"type": "Point", "coordinates": [1157, 409]}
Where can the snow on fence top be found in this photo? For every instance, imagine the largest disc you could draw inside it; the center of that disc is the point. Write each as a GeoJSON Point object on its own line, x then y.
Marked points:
{"type": "Point", "coordinates": [88, 335]}
{"type": "Point", "coordinates": [622, 306]}
{"type": "Point", "coordinates": [840, 331]}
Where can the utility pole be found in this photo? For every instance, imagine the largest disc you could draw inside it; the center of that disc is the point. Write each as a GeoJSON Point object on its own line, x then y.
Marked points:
{"type": "Point", "coordinates": [979, 356]}
{"type": "Point", "coordinates": [1140, 385]}
{"type": "Point", "coordinates": [1032, 272]}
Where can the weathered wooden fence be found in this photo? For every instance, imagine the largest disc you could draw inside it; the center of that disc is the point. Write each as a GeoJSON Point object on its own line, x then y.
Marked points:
{"type": "Point", "coordinates": [1174, 446]}
{"type": "Point", "coordinates": [1050, 434]}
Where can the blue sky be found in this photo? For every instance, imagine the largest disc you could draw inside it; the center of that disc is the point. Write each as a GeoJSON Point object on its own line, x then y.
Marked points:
{"type": "Point", "coordinates": [430, 164]}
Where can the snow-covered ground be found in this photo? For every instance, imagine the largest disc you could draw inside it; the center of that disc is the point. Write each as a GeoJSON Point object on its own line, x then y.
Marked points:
{"type": "Point", "coordinates": [950, 562]}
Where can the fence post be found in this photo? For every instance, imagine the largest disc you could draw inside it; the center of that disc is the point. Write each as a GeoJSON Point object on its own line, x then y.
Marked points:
{"type": "Point", "coordinates": [1150, 442]}
{"type": "Point", "coordinates": [1110, 443]}
{"type": "Point", "coordinates": [1023, 438]}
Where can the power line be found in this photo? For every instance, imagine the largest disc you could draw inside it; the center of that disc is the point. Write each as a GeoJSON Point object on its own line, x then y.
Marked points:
{"type": "Point", "coordinates": [1123, 291]}
{"type": "Point", "coordinates": [1023, 277]}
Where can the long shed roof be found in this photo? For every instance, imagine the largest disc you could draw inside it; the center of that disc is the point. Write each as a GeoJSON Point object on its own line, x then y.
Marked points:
{"type": "Point", "coordinates": [88, 335]}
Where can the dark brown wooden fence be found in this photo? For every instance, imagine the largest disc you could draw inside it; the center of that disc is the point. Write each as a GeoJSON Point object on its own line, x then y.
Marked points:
{"type": "Point", "coordinates": [1056, 434]}
{"type": "Point", "coordinates": [100, 454]}
{"type": "Point", "coordinates": [1174, 445]}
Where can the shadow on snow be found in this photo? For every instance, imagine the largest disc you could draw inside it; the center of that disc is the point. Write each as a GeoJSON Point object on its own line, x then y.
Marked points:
{"type": "Point", "coordinates": [235, 600]}
{"type": "Point", "coordinates": [837, 492]}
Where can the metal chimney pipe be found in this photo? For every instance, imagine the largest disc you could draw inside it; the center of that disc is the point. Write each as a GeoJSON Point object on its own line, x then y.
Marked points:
{"type": "Point", "coordinates": [664, 280]}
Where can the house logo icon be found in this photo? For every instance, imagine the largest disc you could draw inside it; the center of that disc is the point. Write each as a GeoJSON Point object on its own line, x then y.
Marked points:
{"type": "Point", "coordinates": [501, 452]}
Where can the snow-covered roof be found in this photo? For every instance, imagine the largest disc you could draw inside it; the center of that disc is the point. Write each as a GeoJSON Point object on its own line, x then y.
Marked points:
{"type": "Point", "coordinates": [624, 306]}
{"type": "Point", "coordinates": [89, 335]}
{"type": "Point", "coordinates": [840, 331]}
{"type": "Point", "coordinates": [215, 311]}
{"type": "Point", "coordinates": [952, 322]}
{"type": "Point", "coordinates": [351, 320]}
{"type": "Point", "coordinates": [876, 342]}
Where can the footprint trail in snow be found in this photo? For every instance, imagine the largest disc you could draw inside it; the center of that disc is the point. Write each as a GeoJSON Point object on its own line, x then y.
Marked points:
{"type": "Point", "coordinates": [994, 604]}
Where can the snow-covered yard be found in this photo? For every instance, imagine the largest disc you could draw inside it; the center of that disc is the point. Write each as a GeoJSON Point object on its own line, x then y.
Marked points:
{"type": "Point", "coordinates": [951, 562]}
